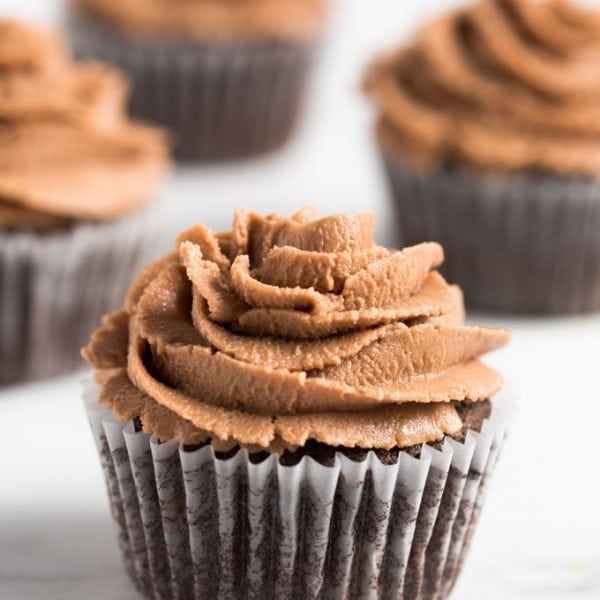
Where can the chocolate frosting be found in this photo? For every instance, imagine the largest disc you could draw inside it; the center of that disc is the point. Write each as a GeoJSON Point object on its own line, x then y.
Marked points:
{"type": "Point", "coordinates": [211, 19]}
{"type": "Point", "coordinates": [67, 150]}
{"type": "Point", "coordinates": [287, 330]}
{"type": "Point", "coordinates": [508, 85]}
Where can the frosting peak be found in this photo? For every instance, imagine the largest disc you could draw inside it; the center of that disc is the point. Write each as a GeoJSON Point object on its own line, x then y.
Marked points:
{"type": "Point", "coordinates": [502, 84]}
{"type": "Point", "coordinates": [67, 150]}
{"type": "Point", "coordinates": [22, 46]}
{"type": "Point", "coordinates": [283, 330]}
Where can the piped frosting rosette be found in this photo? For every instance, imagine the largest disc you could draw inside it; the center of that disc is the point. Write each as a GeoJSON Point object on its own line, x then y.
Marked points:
{"type": "Point", "coordinates": [67, 149]}
{"type": "Point", "coordinates": [283, 330]}
{"type": "Point", "coordinates": [501, 84]}
{"type": "Point", "coordinates": [211, 19]}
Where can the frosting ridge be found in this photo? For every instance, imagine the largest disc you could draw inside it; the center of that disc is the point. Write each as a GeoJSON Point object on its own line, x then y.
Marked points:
{"type": "Point", "coordinates": [67, 150]}
{"type": "Point", "coordinates": [375, 355]}
{"type": "Point", "coordinates": [503, 84]}
{"type": "Point", "coordinates": [211, 19]}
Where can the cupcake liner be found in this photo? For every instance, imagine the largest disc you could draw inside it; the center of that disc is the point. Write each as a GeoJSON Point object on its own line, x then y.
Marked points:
{"type": "Point", "coordinates": [520, 244]}
{"type": "Point", "coordinates": [195, 526]}
{"type": "Point", "coordinates": [221, 100]}
{"type": "Point", "coordinates": [55, 287]}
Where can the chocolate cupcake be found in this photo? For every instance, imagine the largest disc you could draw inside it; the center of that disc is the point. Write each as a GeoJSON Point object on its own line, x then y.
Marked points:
{"type": "Point", "coordinates": [227, 78]}
{"type": "Point", "coordinates": [74, 174]}
{"type": "Point", "coordinates": [287, 410]}
{"type": "Point", "coordinates": [488, 126]}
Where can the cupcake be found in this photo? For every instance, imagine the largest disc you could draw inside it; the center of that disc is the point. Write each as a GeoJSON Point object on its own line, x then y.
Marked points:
{"type": "Point", "coordinates": [74, 174]}
{"type": "Point", "coordinates": [488, 128]}
{"type": "Point", "coordinates": [227, 78]}
{"type": "Point", "coordinates": [287, 410]}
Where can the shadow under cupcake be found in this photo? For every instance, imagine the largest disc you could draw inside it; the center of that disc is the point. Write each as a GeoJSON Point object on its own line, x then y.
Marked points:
{"type": "Point", "coordinates": [227, 78]}
{"type": "Point", "coordinates": [74, 174]}
{"type": "Point", "coordinates": [489, 130]}
{"type": "Point", "coordinates": [287, 410]}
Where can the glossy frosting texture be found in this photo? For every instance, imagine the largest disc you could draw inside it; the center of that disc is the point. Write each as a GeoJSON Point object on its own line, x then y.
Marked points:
{"type": "Point", "coordinates": [509, 85]}
{"type": "Point", "coordinates": [211, 19]}
{"type": "Point", "coordinates": [67, 150]}
{"type": "Point", "coordinates": [284, 330]}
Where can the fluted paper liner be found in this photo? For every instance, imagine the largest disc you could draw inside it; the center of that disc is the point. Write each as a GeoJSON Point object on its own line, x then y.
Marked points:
{"type": "Point", "coordinates": [194, 526]}
{"type": "Point", "coordinates": [55, 287]}
{"type": "Point", "coordinates": [514, 243]}
{"type": "Point", "coordinates": [221, 100]}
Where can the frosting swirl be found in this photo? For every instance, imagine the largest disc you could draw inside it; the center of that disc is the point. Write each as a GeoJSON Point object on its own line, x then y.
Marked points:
{"type": "Point", "coordinates": [287, 330]}
{"type": "Point", "coordinates": [509, 85]}
{"type": "Point", "coordinates": [67, 150]}
{"type": "Point", "coordinates": [212, 19]}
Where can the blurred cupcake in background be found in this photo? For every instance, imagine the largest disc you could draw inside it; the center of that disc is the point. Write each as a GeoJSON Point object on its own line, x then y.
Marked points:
{"type": "Point", "coordinates": [74, 174]}
{"type": "Point", "coordinates": [489, 125]}
{"type": "Point", "coordinates": [226, 77]}
{"type": "Point", "coordinates": [287, 410]}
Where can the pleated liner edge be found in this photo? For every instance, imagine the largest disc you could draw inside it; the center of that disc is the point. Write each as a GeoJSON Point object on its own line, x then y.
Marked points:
{"type": "Point", "coordinates": [193, 526]}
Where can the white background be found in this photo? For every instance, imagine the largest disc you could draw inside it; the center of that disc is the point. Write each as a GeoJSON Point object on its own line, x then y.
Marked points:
{"type": "Point", "coordinates": [540, 530]}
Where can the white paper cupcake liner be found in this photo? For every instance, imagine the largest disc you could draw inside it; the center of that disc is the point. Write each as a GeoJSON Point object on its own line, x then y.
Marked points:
{"type": "Point", "coordinates": [220, 100]}
{"type": "Point", "coordinates": [55, 287]}
{"type": "Point", "coordinates": [194, 526]}
{"type": "Point", "coordinates": [520, 244]}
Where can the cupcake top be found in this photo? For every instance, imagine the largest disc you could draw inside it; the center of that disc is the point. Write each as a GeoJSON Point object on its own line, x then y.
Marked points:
{"type": "Point", "coordinates": [503, 85]}
{"type": "Point", "coordinates": [211, 19]}
{"type": "Point", "coordinates": [67, 150]}
{"type": "Point", "coordinates": [282, 331]}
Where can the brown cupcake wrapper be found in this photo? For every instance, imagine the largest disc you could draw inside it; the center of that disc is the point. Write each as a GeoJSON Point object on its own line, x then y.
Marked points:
{"type": "Point", "coordinates": [55, 287]}
{"type": "Point", "coordinates": [220, 100]}
{"type": "Point", "coordinates": [194, 526]}
{"type": "Point", "coordinates": [520, 244]}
